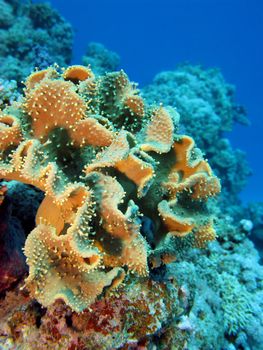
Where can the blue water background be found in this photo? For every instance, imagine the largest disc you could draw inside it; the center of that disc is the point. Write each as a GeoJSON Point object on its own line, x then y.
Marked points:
{"type": "Point", "coordinates": [155, 35]}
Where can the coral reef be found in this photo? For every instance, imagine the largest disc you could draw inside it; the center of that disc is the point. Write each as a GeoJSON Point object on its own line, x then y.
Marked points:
{"type": "Point", "coordinates": [109, 323]}
{"type": "Point", "coordinates": [101, 59]}
{"type": "Point", "coordinates": [222, 285]}
{"type": "Point", "coordinates": [31, 35]}
{"type": "Point", "coordinates": [211, 298]}
{"type": "Point", "coordinates": [223, 291]}
{"type": "Point", "coordinates": [67, 138]}
{"type": "Point", "coordinates": [8, 93]}
{"type": "Point", "coordinates": [253, 214]}
{"type": "Point", "coordinates": [121, 201]}
{"type": "Point", "coordinates": [207, 109]}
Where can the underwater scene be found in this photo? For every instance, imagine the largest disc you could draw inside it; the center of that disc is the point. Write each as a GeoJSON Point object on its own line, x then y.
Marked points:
{"type": "Point", "coordinates": [131, 197]}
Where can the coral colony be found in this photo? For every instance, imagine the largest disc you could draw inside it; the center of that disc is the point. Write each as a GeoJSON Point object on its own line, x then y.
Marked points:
{"type": "Point", "coordinates": [31, 35]}
{"type": "Point", "coordinates": [110, 167]}
{"type": "Point", "coordinates": [105, 161]}
{"type": "Point", "coordinates": [115, 232]}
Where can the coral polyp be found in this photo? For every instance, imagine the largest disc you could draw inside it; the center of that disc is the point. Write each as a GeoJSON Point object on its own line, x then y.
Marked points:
{"type": "Point", "coordinates": [107, 162]}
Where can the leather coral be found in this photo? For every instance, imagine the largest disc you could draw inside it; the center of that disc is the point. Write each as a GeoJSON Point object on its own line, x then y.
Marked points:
{"type": "Point", "coordinates": [106, 161]}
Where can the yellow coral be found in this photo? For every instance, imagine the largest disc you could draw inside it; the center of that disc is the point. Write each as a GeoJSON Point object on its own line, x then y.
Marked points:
{"type": "Point", "coordinates": [190, 172]}
{"type": "Point", "coordinates": [129, 245]}
{"type": "Point", "coordinates": [106, 162]}
{"type": "Point", "coordinates": [135, 104]}
{"type": "Point", "coordinates": [159, 132]}
{"type": "Point", "coordinates": [203, 235]}
{"type": "Point", "coordinates": [176, 224]}
{"type": "Point", "coordinates": [36, 77]}
{"type": "Point", "coordinates": [58, 271]}
{"type": "Point", "coordinates": [53, 103]}
{"type": "Point", "coordinates": [78, 73]}
{"type": "Point", "coordinates": [10, 131]}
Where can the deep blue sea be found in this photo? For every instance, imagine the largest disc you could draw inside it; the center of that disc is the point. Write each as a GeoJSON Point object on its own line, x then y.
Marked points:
{"type": "Point", "coordinates": [155, 35]}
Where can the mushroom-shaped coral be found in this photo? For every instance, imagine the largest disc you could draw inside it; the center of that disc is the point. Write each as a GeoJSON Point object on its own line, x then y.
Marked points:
{"type": "Point", "coordinates": [106, 162]}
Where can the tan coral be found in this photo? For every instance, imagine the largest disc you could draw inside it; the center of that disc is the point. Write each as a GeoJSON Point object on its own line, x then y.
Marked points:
{"type": "Point", "coordinates": [60, 211]}
{"type": "Point", "coordinates": [193, 175]}
{"type": "Point", "coordinates": [25, 166]}
{"type": "Point", "coordinates": [185, 166]}
{"type": "Point", "coordinates": [77, 73]}
{"type": "Point", "coordinates": [10, 131]}
{"type": "Point", "coordinates": [81, 140]}
{"type": "Point", "coordinates": [206, 186]}
{"type": "Point", "coordinates": [134, 256]}
{"type": "Point", "coordinates": [117, 156]}
{"type": "Point", "coordinates": [137, 170]}
{"type": "Point", "coordinates": [90, 132]}
{"type": "Point", "coordinates": [3, 190]}
{"type": "Point", "coordinates": [126, 94]}
{"type": "Point", "coordinates": [159, 132]}
{"type": "Point", "coordinates": [67, 254]}
{"type": "Point", "coordinates": [179, 226]}
{"type": "Point", "coordinates": [53, 103]}
{"type": "Point", "coordinates": [157, 260]}
{"type": "Point", "coordinates": [132, 249]}
{"type": "Point", "coordinates": [118, 150]}
{"type": "Point", "coordinates": [36, 77]}
{"type": "Point", "coordinates": [74, 277]}
{"type": "Point", "coordinates": [203, 235]}
{"type": "Point", "coordinates": [135, 105]}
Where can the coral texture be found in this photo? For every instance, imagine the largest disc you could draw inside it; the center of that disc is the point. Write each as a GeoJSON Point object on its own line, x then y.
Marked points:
{"type": "Point", "coordinates": [107, 324]}
{"type": "Point", "coordinates": [223, 291]}
{"type": "Point", "coordinates": [8, 93]}
{"type": "Point", "coordinates": [101, 59]}
{"type": "Point", "coordinates": [90, 144]}
{"type": "Point", "coordinates": [207, 108]}
{"type": "Point", "coordinates": [31, 35]}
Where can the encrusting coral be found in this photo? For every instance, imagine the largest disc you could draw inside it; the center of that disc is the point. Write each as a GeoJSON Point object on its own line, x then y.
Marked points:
{"type": "Point", "coordinates": [107, 162]}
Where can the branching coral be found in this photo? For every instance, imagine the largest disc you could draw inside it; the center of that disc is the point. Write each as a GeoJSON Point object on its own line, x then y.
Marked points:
{"type": "Point", "coordinates": [223, 291]}
{"type": "Point", "coordinates": [8, 92]}
{"type": "Point", "coordinates": [106, 161]}
{"type": "Point", "coordinates": [31, 35]}
{"type": "Point", "coordinates": [100, 58]}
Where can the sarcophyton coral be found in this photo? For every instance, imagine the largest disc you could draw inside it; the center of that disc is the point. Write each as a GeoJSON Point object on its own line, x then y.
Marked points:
{"type": "Point", "coordinates": [107, 164]}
